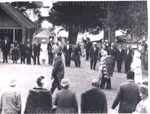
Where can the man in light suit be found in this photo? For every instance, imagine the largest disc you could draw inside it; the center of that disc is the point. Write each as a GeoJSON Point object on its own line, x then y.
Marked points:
{"type": "Point", "coordinates": [128, 95]}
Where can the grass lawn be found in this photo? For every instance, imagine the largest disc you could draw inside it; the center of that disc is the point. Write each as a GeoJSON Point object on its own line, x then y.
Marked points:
{"type": "Point", "coordinates": [80, 78]}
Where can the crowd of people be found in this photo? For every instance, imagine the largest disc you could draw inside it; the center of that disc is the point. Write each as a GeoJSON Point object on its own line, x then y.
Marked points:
{"type": "Point", "coordinates": [132, 95]}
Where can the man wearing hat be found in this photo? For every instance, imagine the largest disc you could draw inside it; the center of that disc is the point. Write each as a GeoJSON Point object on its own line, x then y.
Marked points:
{"type": "Point", "coordinates": [94, 100]}
{"type": "Point", "coordinates": [128, 95]}
{"type": "Point", "coordinates": [10, 99]}
{"type": "Point", "coordinates": [94, 55]}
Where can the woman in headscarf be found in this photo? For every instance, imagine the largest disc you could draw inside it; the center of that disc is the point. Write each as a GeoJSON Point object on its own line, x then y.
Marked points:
{"type": "Point", "coordinates": [65, 99]}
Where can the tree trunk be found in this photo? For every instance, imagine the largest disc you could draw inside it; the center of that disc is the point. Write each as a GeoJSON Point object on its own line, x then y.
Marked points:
{"type": "Point", "coordinates": [73, 32]}
{"type": "Point", "coordinates": [111, 35]}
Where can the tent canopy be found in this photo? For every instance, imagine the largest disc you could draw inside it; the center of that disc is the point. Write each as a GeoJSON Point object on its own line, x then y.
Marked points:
{"type": "Point", "coordinates": [44, 34]}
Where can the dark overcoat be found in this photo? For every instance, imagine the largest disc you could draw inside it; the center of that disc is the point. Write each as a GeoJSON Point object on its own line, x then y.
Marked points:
{"type": "Point", "coordinates": [39, 101]}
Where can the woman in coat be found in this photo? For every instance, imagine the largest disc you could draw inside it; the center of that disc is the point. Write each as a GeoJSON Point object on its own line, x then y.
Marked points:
{"type": "Point", "coordinates": [136, 67]}
{"type": "Point", "coordinates": [65, 99]}
{"type": "Point", "coordinates": [39, 99]}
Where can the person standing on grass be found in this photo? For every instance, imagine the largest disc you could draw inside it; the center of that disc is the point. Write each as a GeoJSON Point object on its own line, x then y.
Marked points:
{"type": "Point", "coordinates": [36, 51]}
{"type": "Point", "coordinates": [94, 100]}
{"type": "Point", "coordinates": [67, 52]}
{"type": "Point", "coordinates": [128, 58]}
{"type": "Point", "coordinates": [77, 54]}
{"type": "Point", "coordinates": [28, 52]}
{"type": "Point", "coordinates": [22, 52]}
{"type": "Point", "coordinates": [128, 95]}
{"type": "Point", "coordinates": [119, 57]}
{"type": "Point", "coordinates": [15, 52]}
{"type": "Point", "coordinates": [136, 67]}
{"type": "Point", "coordinates": [39, 100]}
{"type": "Point", "coordinates": [57, 72]}
{"type": "Point", "coordinates": [10, 99]}
{"type": "Point", "coordinates": [88, 46]}
{"type": "Point", "coordinates": [94, 55]}
{"type": "Point", "coordinates": [112, 51]}
{"type": "Point", "coordinates": [5, 49]}
{"type": "Point", "coordinates": [43, 53]}
{"type": "Point", "coordinates": [50, 52]}
{"type": "Point", "coordinates": [105, 70]}
{"type": "Point", "coordinates": [65, 100]}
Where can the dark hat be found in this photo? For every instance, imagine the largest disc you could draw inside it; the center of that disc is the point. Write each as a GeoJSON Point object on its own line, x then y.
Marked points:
{"type": "Point", "coordinates": [143, 89]}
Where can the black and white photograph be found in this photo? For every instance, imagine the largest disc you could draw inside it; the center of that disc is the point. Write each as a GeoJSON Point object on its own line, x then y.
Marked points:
{"type": "Point", "coordinates": [65, 57]}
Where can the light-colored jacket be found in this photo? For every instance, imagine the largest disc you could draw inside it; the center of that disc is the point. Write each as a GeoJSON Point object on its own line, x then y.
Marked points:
{"type": "Point", "coordinates": [136, 67]}
{"type": "Point", "coordinates": [10, 101]}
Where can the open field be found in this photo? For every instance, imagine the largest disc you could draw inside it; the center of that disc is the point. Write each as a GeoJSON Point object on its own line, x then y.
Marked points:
{"type": "Point", "coordinates": [80, 78]}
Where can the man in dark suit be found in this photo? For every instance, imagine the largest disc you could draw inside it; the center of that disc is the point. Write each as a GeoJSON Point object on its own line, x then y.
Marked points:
{"type": "Point", "coordinates": [94, 55]}
{"type": "Point", "coordinates": [112, 51]}
{"type": "Point", "coordinates": [22, 51]}
{"type": "Point", "coordinates": [5, 49]}
{"type": "Point", "coordinates": [28, 51]}
{"type": "Point", "coordinates": [67, 52]}
{"type": "Point", "coordinates": [50, 53]}
{"type": "Point", "coordinates": [119, 57]}
{"type": "Point", "coordinates": [36, 51]}
{"type": "Point", "coordinates": [77, 54]}
{"type": "Point", "coordinates": [128, 58]}
{"type": "Point", "coordinates": [57, 72]}
{"type": "Point", "coordinates": [128, 95]}
{"type": "Point", "coordinates": [94, 100]}
{"type": "Point", "coordinates": [88, 46]}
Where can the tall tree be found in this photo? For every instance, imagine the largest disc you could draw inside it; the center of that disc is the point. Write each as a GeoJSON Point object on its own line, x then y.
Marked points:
{"type": "Point", "coordinates": [77, 17]}
{"type": "Point", "coordinates": [34, 6]}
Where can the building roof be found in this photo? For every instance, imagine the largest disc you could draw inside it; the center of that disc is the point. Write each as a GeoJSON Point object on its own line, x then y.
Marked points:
{"type": "Point", "coordinates": [18, 16]}
{"type": "Point", "coordinates": [43, 34]}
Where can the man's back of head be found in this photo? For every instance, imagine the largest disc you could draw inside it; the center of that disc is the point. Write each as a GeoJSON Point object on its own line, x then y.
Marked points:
{"type": "Point", "coordinates": [130, 75]}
